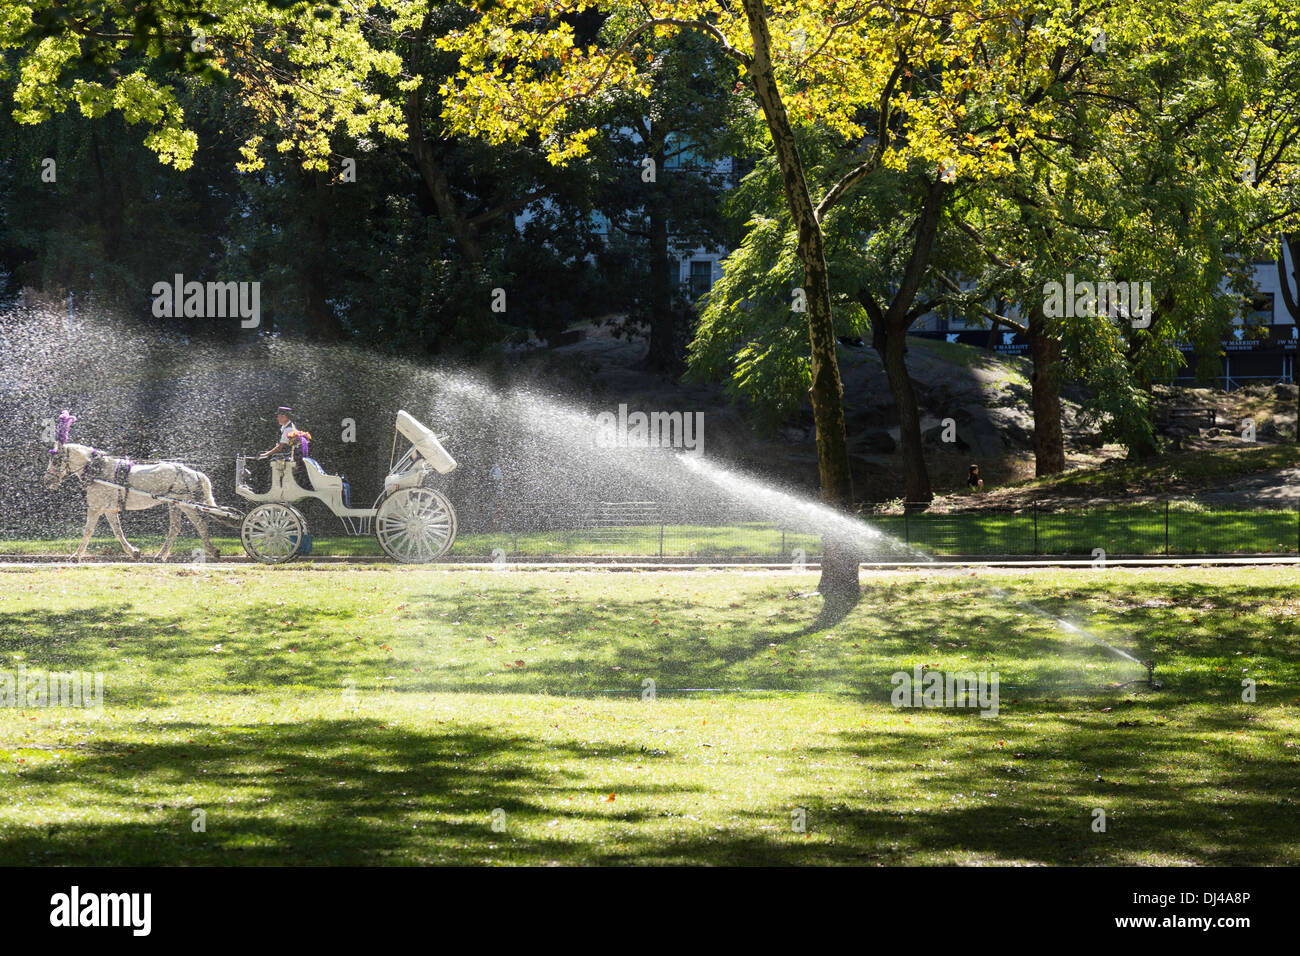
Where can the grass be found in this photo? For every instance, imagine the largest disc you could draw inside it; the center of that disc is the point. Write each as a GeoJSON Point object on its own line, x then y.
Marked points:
{"type": "Point", "coordinates": [1117, 529]}
{"type": "Point", "coordinates": [750, 539]}
{"type": "Point", "coordinates": [393, 715]}
{"type": "Point", "coordinates": [1009, 369]}
{"type": "Point", "coordinates": [1175, 473]}
{"type": "Point", "coordinates": [1137, 529]}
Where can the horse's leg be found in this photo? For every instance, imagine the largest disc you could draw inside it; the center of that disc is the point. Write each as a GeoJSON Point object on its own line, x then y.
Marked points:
{"type": "Point", "coordinates": [201, 527]}
{"type": "Point", "coordinates": [115, 522]}
{"type": "Point", "coordinates": [92, 522]}
{"type": "Point", "coordinates": [173, 529]}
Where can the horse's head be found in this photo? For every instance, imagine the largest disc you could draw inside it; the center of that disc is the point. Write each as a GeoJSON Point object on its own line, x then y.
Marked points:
{"type": "Point", "coordinates": [65, 459]}
{"type": "Point", "coordinates": [58, 467]}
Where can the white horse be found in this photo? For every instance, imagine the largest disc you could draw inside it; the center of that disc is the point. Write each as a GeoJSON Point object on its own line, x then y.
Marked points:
{"type": "Point", "coordinates": [168, 478]}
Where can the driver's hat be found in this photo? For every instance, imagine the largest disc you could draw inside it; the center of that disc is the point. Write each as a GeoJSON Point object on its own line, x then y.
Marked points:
{"type": "Point", "coordinates": [284, 410]}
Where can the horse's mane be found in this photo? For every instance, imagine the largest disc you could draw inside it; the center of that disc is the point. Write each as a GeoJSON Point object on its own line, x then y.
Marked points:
{"type": "Point", "coordinates": [83, 452]}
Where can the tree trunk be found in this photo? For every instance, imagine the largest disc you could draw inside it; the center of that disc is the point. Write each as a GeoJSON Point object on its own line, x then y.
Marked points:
{"type": "Point", "coordinates": [1049, 437]}
{"type": "Point", "coordinates": [1291, 297]}
{"type": "Point", "coordinates": [435, 180]}
{"type": "Point", "coordinates": [322, 324]}
{"type": "Point", "coordinates": [662, 356]}
{"type": "Point", "coordinates": [432, 174]}
{"type": "Point", "coordinates": [1145, 445]}
{"type": "Point", "coordinates": [840, 557]}
{"type": "Point", "coordinates": [892, 348]}
{"type": "Point", "coordinates": [111, 203]}
{"type": "Point", "coordinates": [889, 338]}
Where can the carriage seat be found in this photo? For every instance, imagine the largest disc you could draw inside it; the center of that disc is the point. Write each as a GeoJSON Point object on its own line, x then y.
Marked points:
{"type": "Point", "coordinates": [322, 483]}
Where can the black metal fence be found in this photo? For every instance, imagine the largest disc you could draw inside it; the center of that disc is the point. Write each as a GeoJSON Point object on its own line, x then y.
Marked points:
{"type": "Point", "coordinates": [644, 530]}
{"type": "Point", "coordinates": [1182, 527]}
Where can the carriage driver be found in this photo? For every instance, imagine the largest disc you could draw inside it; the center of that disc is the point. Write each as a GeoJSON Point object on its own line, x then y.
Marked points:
{"type": "Point", "coordinates": [283, 449]}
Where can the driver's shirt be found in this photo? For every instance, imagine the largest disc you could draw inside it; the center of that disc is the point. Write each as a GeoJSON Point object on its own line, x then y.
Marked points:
{"type": "Point", "coordinates": [284, 435]}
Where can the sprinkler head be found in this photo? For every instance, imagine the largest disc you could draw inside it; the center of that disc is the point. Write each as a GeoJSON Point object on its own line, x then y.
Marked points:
{"type": "Point", "coordinates": [1151, 675]}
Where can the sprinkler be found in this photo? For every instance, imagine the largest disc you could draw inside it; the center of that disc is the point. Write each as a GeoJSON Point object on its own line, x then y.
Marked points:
{"type": "Point", "coordinates": [1151, 677]}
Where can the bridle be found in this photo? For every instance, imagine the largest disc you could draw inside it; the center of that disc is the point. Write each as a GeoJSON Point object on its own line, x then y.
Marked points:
{"type": "Point", "coordinates": [58, 457]}
{"type": "Point", "coordinates": [61, 456]}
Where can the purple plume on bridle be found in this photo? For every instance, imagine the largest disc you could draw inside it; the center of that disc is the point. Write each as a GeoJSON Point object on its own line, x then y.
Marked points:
{"type": "Point", "coordinates": [64, 431]}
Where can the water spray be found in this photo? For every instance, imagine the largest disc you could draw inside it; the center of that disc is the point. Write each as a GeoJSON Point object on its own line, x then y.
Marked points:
{"type": "Point", "coordinates": [1150, 681]}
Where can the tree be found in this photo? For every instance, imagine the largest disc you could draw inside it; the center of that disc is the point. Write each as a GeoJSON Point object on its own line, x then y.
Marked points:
{"type": "Point", "coordinates": [663, 168]}
{"type": "Point", "coordinates": [837, 66]}
{"type": "Point", "coordinates": [1138, 175]}
{"type": "Point", "coordinates": [878, 263]}
{"type": "Point", "coordinates": [976, 98]}
{"type": "Point", "coordinates": [1289, 248]}
{"type": "Point", "coordinates": [302, 88]}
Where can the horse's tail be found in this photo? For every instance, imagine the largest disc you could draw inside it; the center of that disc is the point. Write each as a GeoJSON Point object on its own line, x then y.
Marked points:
{"type": "Point", "coordinates": [205, 484]}
{"type": "Point", "coordinates": [230, 518]}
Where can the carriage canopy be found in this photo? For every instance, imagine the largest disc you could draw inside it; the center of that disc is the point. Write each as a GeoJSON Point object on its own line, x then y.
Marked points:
{"type": "Point", "coordinates": [425, 442]}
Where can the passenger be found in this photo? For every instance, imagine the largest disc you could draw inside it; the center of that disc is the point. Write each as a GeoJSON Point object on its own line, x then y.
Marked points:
{"type": "Point", "coordinates": [973, 480]}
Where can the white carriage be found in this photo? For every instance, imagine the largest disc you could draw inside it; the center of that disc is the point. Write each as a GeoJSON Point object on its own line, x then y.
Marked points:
{"type": "Point", "coordinates": [413, 522]}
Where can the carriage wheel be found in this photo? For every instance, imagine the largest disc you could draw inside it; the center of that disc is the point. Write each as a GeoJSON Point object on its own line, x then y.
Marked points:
{"type": "Point", "coordinates": [273, 533]}
{"type": "Point", "coordinates": [415, 525]}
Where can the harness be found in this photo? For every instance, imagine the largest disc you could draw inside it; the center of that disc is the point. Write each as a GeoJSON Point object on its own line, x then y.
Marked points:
{"type": "Point", "coordinates": [190, 489]}
{"type": "Point", "coordinates": [93, 463]}
{"type": "Point", "coordinates": [96, 467]}
{"type": "Point", "coordinates": [122, 476]}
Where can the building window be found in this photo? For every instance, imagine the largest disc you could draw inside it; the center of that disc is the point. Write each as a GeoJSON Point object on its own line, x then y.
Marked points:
{"type": "Point", "coordinates": [682, 153]}
{"type": "Point", "coordinates": [701, 277]}
{"type": "Point", "coordinates": [1259, 310]}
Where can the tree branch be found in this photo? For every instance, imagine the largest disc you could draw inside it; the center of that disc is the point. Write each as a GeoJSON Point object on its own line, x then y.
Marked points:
{"type": "Point", "coordinates": [861, 171]}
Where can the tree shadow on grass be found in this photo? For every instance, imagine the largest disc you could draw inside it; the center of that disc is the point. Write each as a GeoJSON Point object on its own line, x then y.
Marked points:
{"type": "Point", "coordinates": [1036, 802]}
{"type": "Point", "coordinates": [599, 646]}
{"type": "Point", "coordinates": [143, 654]}
{"type": "Point", "coordinates": [352, 791]}
{"type": "Point", "coordinates": [360, 791]}
{"type": "Point", "coordinates": [612, 643]}
{"type": "Point", "coordinates": [618, 643]}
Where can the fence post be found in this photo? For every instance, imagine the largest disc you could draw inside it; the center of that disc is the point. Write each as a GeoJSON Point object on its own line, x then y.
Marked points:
{"type": "Point", "coordinates": [781, 556]}
{"type": "Point", "coordinates": [1035, 528]}
{"type": "Point", "coordinates": [907, 531]}
{"type": "Point", "coordinates": [1166, 528]}
{"type": "Point", "coordinates": [661, 541]}
{"type": "Point", "coordinates": [514, 542]}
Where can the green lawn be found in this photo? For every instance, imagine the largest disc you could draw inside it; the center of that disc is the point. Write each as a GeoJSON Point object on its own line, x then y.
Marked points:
{"type": "Point", "coordinates": [1140, 529]}
{"type": "Point", "coordinates": [381, 714]}
{"type": "Point", "coordinates": [746, 540]}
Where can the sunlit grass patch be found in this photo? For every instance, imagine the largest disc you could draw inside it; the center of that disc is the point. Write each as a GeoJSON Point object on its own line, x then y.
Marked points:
{"type": "Point", "coordinates": [385, 715]}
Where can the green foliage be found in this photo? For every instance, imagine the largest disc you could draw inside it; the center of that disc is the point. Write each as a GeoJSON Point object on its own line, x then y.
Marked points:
{"type": "Point", "coordinates": [307, 71]}
{"type": "Point", "coordinates": [745, 336]}
{"type": "Point", "coordinates": [377, 260]}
